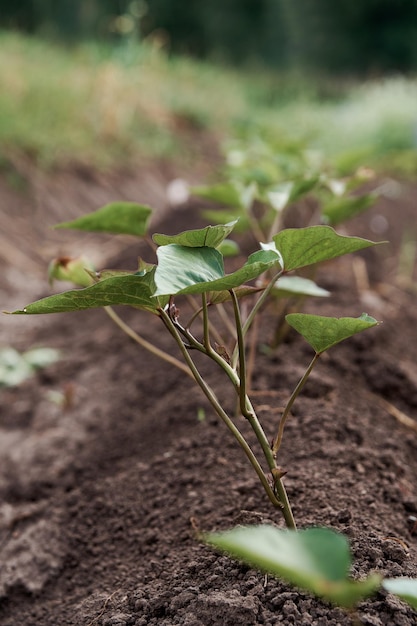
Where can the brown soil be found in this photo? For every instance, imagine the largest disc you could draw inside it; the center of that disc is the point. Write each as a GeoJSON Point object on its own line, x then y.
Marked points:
{"type": "Point", "coordinates": [100, 501]}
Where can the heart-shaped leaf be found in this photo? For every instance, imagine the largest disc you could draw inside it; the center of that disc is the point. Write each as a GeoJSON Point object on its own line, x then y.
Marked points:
{"type": "Point", "coordinates": [404, 588]}
{"type": "Point", "coordinates": [126, 218]}
{"type": "Point", "coordinates": [300, 247]}
{"type": "Point", "coordinates": [133, 290]}
{"type": "Point", "coordinates": [199, 270]}
{"type": "Point", "coordinates": [210, 236]}
{"type": "Point", "coordinates": [316, 559]}
{"type": "Point", "coordinates": [324, 332]}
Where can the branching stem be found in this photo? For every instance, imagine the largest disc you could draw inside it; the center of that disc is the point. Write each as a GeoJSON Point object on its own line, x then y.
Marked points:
{"type": "Point", "coordinates": [146, 344]}
{"type": "Point", "coordinates": [278, 439]}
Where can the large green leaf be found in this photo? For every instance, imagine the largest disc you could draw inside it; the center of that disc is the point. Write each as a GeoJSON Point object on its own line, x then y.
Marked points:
{"type": "Point", "coordinates": [324, 332]}
{"type": "Point", "coordinates": [126, 218]}
{"type": "Point", "coordinates": [131, 290]}
{"type": "Point", "coordinates": [404, 588]}
{"type": "Point", "coordinates": [316, 559]}
{"type": "Point", "coordinates": [341, 209]}
{"type": "Point", "coordinates": [300, 247]}
{"type": "Point", "coordinates": [199, 270]}
{"type": "Point", "coordinates": [210, 236]}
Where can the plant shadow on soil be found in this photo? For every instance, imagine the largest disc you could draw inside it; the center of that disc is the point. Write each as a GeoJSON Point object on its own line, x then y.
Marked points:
{"type": "Point", "coordinates": [101, 501]}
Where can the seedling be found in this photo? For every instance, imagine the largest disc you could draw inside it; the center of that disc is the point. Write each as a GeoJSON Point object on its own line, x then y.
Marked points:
{"type": "Point", "coordinates": [191, 264]}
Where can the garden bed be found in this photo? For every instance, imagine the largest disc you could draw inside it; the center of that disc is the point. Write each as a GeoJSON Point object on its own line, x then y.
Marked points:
{"type": "Point", "coordinates": [103, 499]}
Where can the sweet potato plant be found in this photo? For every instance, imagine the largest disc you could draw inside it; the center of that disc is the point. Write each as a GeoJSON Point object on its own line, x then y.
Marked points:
{"type": "Point", "coordinates": [191, 266]}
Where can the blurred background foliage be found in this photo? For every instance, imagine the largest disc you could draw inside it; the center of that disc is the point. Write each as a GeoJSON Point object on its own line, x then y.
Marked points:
{"type": "Point", "coordinates": [353, 38]}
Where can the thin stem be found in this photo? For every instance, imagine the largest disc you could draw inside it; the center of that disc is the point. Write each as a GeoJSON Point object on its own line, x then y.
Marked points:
{"type": "Point", "coordinates": [206, 325]}
{"type": "Point", "coordinates": [225, 319]}
{"type": "Point", "coordinates": [248, 411]}
{"type": "Point", "coordinates": [255, 309]}
{"type": "Point", "coordinates": [241, 352]}
{"type": "Point", "coordinates": [278, 439]}
{"type": "Point", "coordinates": [146, 344]}
{"type": "Point", "coordinates": [219, 409]}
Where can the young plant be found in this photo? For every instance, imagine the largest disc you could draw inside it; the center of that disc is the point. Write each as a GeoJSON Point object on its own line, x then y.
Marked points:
{"type": "Point", "coordinates": [317, 560]}
{"type": "Point", "coordinates": [266, 183]}
{"type": "Point", "coordinates": [191, 264]}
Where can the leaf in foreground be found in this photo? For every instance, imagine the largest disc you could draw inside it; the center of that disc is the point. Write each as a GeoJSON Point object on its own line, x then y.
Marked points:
{"type": "Point", "coordinates": [130, 290]}
{"type": "Point", "coordinates": [404, 588]}
{"type": "Point", "coordinates": [324, 332]}
{"type": "Point", "coordinates": [300, 247]}
{"type": "Point", "coordinates": [120, 218]}
{"type": "Point", "coordinates": [316, 559]}
{"type": "Point", "coordinates": [200, 270]}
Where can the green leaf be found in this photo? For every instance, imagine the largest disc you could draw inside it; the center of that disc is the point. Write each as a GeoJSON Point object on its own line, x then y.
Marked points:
{"type": "Point", "coordinates": [341, 209]}
{"type": "Point", "coordinates": [316, 559]}
{"type": "Point", "coordinates": [324, 332]}
{"type": "Point", "coordinates": [300, 247]}
{"type": "Point", "coordinates": [199, 270]}
{"type": "Point", "coordinates": [210, 236]}
{"type": "Point", "coordinates": [41, 357]}
{"type": "Point", "coordinates": [228, 248]}
{"type": "Point", "coordinates": [228, 215]}
{"type": "Point", "coordinates": [290, 286]}
{"type": "Point", "coordinates": [404, 588]}
{"type": "Point", "coordinates": [227, 194]}
{"type": "Point", "coordinates": [285, 193]}
{"type": "Point", "coordinates": [133, 290]}
{"type": "Point", "coordinates": [126, 218]}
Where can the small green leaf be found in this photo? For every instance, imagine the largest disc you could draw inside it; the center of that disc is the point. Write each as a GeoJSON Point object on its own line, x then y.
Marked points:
{"type": "Point", "coordinates": [341, 209]}
{"type": "Point", "coordinates": [41, 357]}
{"type": "Point", "coordinates": [199, 270]}
{"type": "Point", "coordinates": [316, 559]}
{"type": "Point", "coordinates": [300, 247]}
{"type": "Point", "coordinates": [324, 332]}
{"type": "Point", "coordinates": [126, 218]}
{"type": "Point", "coordinates": [231, 194]}
{"type": "Point", "coordinates": [404, 588]}
{"type": "Point", "coordinates": [228, 215]}
{"type": "Point", "coordinates": [133, 290]}
{"type": "Point", "coordinates": [290, 286]}
{"type": "Point", "coordinates": [210, 236]}
{"type": "Point", "coordinates": [228, 248]}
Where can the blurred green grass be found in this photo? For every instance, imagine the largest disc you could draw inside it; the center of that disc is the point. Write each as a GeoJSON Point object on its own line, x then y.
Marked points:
{"type": "Point", "coordinates": [109, 106]}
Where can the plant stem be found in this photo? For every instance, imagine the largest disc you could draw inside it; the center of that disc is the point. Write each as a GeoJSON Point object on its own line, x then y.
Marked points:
{"type": "Point", "coordinates": [278, 439]}
{"type": "Point", "coordinates": [208, 392]}
{"type": "Point", "coordinates": [248, 411]}
{"type": "Point", "coordinates": [146, 344]}
{"type": "Point", "coordinates": [258, 304]}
